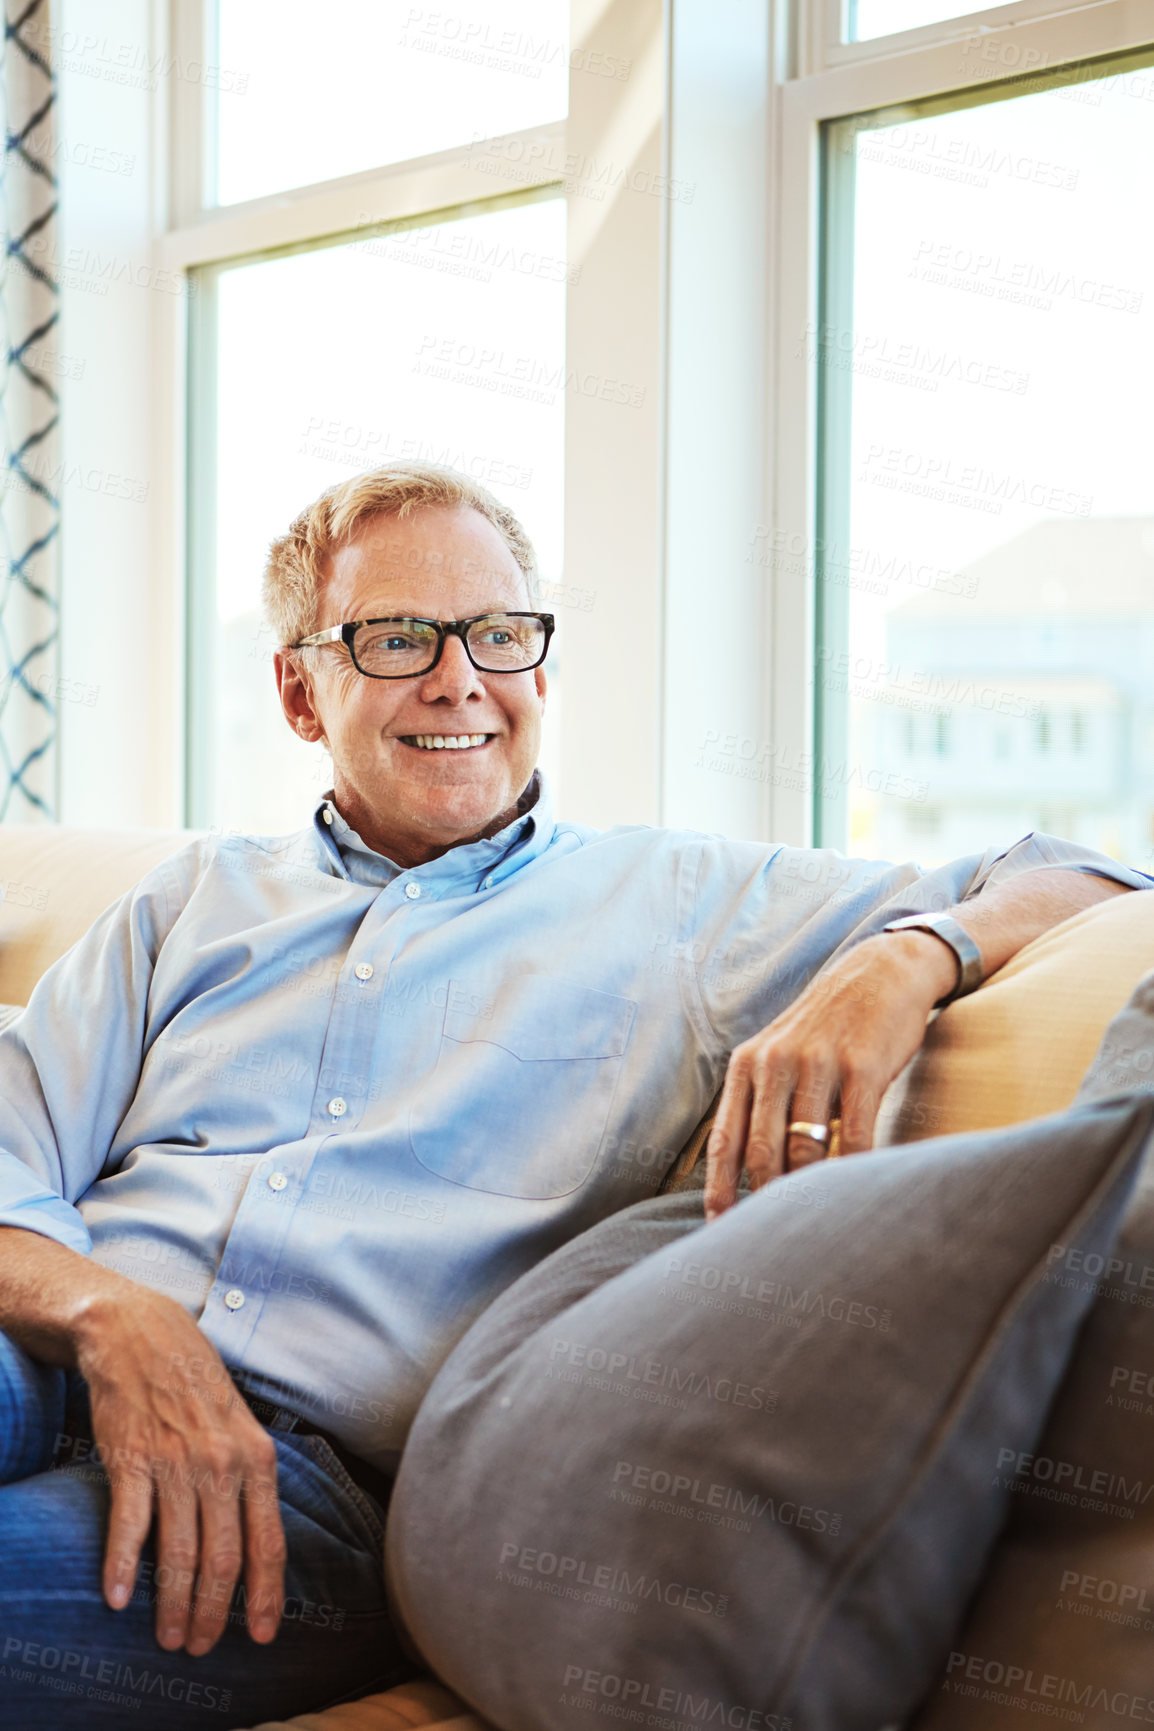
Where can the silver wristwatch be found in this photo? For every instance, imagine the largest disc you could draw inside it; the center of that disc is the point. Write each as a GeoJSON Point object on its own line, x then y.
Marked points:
{"type": "Point", "coordinates": [966, 951]}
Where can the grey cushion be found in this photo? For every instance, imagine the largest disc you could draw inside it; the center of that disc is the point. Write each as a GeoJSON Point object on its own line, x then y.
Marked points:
{"type": "Point", "coordinates": [1124, 1062]}
{"type": "Point", "coordinates": [1064, 1624]}
{"type": "Point", "coordinates": [744, 1472]}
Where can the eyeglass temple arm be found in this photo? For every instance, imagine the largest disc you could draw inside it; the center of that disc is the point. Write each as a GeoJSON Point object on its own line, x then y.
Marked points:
{"type": "Point", "coordinates": [331, 634]}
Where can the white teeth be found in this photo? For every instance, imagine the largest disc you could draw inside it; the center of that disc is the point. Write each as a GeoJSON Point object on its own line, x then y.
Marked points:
{"type": "Point", "coordinates": [449, 741]}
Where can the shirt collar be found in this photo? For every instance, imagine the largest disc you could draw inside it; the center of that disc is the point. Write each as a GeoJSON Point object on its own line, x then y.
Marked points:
{"type": "Point", "coordinates": [478, 863]}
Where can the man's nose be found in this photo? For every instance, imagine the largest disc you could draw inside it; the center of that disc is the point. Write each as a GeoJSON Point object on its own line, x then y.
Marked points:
{"type": "Point", "coordinates": [454, 676]}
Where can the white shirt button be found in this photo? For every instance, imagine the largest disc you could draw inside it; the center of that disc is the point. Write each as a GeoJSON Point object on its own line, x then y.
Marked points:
{"type": "Point", "coordinates": [337, 1107]}
{"type": "Point", "coordinates": [234, 1298]}
{"type": "Point", "coordinates": [364, 970]}
{"type": "Point", "coordinates": [412, 891]}
{"type": "Point", "coordinates": [327, 815]}
{"type": "Point", "coordinates": [488, 883]}
{"type": "Point", "coordinates": [277, 1180]}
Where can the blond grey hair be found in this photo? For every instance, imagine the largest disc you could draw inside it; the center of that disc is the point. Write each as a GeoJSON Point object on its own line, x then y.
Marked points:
{"type": "Point", "coordinates": [296, 566]}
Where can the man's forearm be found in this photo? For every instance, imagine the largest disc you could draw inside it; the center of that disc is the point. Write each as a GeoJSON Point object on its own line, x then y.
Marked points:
{"type": "Point", "coordinates": [1005, 917]}
{"type": "Point", "coordinates": [53, 1299]}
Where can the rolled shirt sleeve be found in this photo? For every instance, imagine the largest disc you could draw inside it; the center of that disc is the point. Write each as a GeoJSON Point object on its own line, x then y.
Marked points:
{"type": "Point", "coordinates": [764, 927]}
{"type": "Point", "coordinates": [70, 1063]}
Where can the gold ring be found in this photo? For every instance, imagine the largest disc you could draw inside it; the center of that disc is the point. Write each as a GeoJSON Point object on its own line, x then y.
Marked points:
{"type": "Point", "coordinates": [815, 1132]}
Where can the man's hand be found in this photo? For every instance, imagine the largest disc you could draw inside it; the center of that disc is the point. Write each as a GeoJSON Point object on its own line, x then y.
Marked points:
{"type": "Point", "coordinates": [175, 1436]}
{"type": "Point", "coordinates": [847, 1036]}
{"type": "Point", "coordinates": [858, 1024]}
{"type": "Point", "coordinates": [177, 1440]}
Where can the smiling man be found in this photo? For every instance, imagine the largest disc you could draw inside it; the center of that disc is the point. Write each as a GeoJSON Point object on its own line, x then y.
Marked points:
{"type": "Point", "coordinates": [427, 752]}
{"type": "Point", "coordinates": [298, 1108]}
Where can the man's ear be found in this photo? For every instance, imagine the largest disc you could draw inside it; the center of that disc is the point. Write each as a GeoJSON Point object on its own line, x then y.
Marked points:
{"type": "Point", "coordinates": [297, 696]}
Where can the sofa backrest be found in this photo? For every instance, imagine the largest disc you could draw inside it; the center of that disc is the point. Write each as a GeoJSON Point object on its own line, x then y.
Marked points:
{"type": "Point", "coordinates": [56, 880]}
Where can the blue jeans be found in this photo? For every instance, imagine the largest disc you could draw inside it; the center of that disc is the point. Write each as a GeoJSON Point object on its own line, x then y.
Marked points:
{"type": "Point", "coordinates": [67, 1660]}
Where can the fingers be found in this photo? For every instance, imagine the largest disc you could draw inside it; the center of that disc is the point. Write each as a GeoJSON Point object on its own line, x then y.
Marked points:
{"type": "Point", "coordinates": [845, 1037]}
{"type": "Point", "coordinates": [265, 1548]}
{"type": "Point", "coordinates": [861, 1098]}
{"type": "Point", "coordinates": [177, 1548]}
{"type": "Point", "coordinates": [221, 1556]}
{"type": "Point", "coordinates": [240, 1527]}
{"type": "Point", "coordinates": [129, 1519]}
{"type": "Point", "coordinates": [812, 1103]}
{"type": "Point", "coordinates": [215, 1516]}
{"type": "Point", "coordinates": [180, 1443]}
{"type": "Point", "coordinates": [775, 1080]}
{"type": "Point", "coordinates": [767, 1087]}
{"type": "Point", "coordinates": [725, 1149]}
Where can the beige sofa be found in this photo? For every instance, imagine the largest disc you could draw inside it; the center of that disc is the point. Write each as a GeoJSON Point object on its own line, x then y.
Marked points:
{"type": "Point", "coordinates": [1014, 1050]}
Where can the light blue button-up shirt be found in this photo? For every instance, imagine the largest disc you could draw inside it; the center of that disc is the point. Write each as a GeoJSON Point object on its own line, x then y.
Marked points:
{"type": "Point", "coordinates": [334, 1106]}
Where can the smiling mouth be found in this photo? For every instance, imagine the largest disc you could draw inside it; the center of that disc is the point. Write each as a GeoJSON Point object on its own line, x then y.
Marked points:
{"type": "Point", "coordinates": [446, 741]}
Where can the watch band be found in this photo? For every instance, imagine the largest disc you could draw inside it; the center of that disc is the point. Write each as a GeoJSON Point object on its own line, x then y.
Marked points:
{"type": "Point", "coordinates": [966, 951]}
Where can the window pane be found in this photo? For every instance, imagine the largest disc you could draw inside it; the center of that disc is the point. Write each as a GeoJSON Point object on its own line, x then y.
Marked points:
{"type": "Point", "coordinates": [443, 343]}
{"type": "Point", "coordinates": [870, 18]}
{"type": "Point", "coordinates": [308, 93]}
{"type": "Point", "coordinates": [987, 654]}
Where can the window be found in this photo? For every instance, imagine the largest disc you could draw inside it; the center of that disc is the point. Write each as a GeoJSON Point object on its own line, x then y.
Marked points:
{"type": "Point", "coordinates": [442, 342]}
{"type": "Point", "coordinates": [985, 350]}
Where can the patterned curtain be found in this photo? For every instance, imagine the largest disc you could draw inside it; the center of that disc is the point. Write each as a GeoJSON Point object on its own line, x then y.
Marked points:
{"type": "Point", "coordinates": [29, 505]}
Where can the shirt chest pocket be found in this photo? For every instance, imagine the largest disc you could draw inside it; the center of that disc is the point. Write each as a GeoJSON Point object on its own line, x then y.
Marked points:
{"type": "Point", "coordinates": [520, 1095]}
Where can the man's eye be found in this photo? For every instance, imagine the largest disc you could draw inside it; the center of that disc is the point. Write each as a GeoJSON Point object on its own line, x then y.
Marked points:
{"type": "Point", "coordinates": [390, 642]}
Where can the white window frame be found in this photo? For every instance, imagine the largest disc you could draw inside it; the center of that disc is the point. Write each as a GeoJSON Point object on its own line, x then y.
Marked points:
{"type": "Point", "coordinates": [855, 79]}
{"type": "Point", "coordinates": [824, 31]}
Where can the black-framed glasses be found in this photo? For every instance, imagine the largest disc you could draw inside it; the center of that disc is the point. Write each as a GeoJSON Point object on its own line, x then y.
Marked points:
{"type": "Point", "coordinates": [399, 648]}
